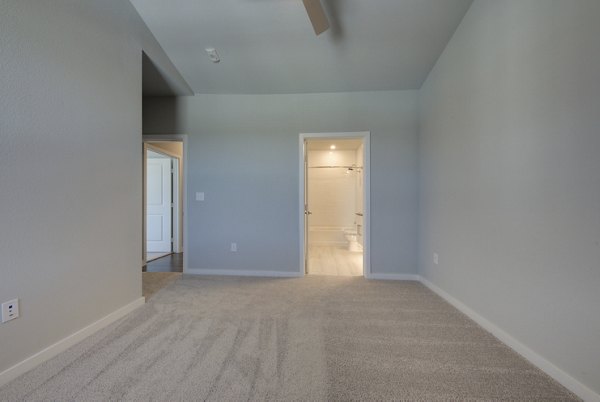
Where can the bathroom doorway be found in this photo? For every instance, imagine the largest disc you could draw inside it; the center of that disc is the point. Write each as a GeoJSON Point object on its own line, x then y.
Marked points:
{"type": "Point", "coordinates": [334, 204]}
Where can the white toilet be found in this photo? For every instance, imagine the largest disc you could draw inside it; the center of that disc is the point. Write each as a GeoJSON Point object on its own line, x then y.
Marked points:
{"type": "Point", "coordinates": [352, 236]}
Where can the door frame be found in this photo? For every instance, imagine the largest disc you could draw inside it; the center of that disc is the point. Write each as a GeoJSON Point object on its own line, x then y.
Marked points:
{"type": "Point", "coordinates": [365, 136]}
{"type": "Point", "coordinates": [183, 138]}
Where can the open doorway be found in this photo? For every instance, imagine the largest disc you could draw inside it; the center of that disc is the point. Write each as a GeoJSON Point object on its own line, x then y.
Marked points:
{"type": "Point", "coordinates": [334, 204]}
{"type": "Point", "coordinates": [164, 204]}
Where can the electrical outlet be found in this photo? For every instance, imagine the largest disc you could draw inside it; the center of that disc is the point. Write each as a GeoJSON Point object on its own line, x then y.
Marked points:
{"type": "Point", "coordinates": [435, 258]}
{"type": "Point", "coordinates": [234, 247]}
{"type": "Point", "coordinates": [10, 310]}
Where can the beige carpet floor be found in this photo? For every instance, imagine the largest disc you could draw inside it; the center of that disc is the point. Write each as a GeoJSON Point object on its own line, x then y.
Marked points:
{"type": "Point", "coordinates": [313, 338]}
{"type": "Point", "coordinates": [152, 282]}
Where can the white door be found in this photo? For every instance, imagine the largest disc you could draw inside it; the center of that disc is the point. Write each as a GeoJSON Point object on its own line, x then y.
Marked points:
{"type": "Point", "coordinates": [158, 204]}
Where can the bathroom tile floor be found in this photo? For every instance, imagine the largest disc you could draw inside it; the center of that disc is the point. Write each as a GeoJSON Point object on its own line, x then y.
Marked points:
{"type": "Point", "coordinates": [334, 260]}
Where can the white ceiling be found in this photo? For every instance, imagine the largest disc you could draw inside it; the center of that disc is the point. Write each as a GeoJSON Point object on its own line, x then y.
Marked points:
{"type": "Point", "coordinates": [268, 46]}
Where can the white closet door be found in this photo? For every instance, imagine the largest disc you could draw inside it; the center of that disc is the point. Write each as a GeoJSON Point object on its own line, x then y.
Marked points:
{"type": "Point", "coordinates": [158, 205]}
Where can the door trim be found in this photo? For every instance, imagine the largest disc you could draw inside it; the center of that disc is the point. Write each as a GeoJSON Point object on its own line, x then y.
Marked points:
{"type": "Point", "coordinates": [366, 138]}
{"type": "Point", "coordinates": [184, 176]}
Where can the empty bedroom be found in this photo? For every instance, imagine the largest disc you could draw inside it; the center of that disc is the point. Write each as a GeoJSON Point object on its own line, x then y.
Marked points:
{"type": "Point", "coordinates": [300, 200]}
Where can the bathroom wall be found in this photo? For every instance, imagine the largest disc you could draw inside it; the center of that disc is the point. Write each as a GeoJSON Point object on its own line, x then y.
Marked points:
{"type": "Point", "coordinates": [331, 191]}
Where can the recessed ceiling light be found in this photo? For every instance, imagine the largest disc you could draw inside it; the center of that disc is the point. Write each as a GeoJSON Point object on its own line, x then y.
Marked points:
{"type": "Point", "coordinates": [212, 54]}
{"type": "Point", "coordinates": [332, 147]}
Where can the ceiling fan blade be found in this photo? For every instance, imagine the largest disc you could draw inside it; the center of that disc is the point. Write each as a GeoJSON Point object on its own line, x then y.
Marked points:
{"type": "Point", "coordinates": [317, 15]}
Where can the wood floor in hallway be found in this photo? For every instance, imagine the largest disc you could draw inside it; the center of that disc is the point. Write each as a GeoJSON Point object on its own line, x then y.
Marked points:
{"type": "Point", "coordinates": [169, 263]}
{"type": "Point", "coordinates": [334, 260]}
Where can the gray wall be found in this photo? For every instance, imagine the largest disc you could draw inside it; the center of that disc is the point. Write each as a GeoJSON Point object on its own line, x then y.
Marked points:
{"type": "Point", "coordinates": [244, 155]}
{"type": "Point", "coordinates": [70, 165]}
{"type": "Point", "coordinates": [510, 174]}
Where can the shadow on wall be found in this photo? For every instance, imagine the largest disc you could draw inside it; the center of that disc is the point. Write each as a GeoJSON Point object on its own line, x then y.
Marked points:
{"type": "Point", "coordinates": [160, 116]}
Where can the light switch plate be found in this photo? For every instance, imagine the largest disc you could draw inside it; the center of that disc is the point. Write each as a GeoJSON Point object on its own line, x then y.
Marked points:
{"type": "Point", "coordinates": [199, 196]}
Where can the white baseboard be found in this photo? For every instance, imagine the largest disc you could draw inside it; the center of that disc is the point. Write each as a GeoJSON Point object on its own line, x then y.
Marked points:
{"type": "Point", "coordinates": [65, 343]}
{"type": "Point", "coordinates": [288, 274]}
{"type": "Point", "coordinates": [549, 368]}
{"type": "Point", "coordinates": [393, 277]}
{"type": "Point", "coordinates": [233, 272]}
